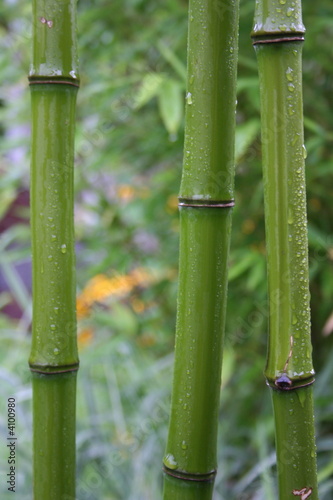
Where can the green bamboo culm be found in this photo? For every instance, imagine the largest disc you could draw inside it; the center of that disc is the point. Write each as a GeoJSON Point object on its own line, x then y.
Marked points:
{"type": "Point", "coordinates": [278, 36]}
{"type": "Point", "coordinates": [206, 199]}
{"type": "Point", "coordinates": [53, 359]}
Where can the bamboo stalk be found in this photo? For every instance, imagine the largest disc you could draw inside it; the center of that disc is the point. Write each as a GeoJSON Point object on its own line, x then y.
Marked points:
{"type": "Point", "coordinates": [205, 200]}
{"type": "Point", "coordinates": [53, 359]}
{"type": "Point", "coordinates": [278, 36]}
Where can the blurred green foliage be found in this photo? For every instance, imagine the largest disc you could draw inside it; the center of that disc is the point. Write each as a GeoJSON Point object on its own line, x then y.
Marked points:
{"type": "Point", "coordinates": [127, 174]}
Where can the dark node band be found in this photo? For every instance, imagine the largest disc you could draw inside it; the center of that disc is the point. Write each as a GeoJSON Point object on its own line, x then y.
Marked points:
{"type": "Point", "coordinates": [279, 39]}
{"type": "Point", "coordinates": [210, 476]}
{"type": "Point", "coordinates": [183, 202]}
{"type": "Point", "coordinates": [55, 81]}
{"type": "Point", "coordinates": [54, 370]}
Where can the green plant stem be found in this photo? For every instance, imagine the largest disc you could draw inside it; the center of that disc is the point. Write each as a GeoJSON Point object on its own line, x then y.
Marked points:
{"type": "Point", "coordinates": [206, 200]}
{"type": "Point", "coordinates": [53, 359]}
{"type": "Point", "coordinates": [295, 442]}
{"type": "Point", "coordinates": [289, 370]}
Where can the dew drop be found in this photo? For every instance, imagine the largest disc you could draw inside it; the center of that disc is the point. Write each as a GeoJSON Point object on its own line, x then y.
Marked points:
{"type": "Point", "coordinates": [290, 217]}
{"type": "Point", "coordinates": [184, 445]}
{"type": "Point", "coordinates": [189, 98]}
{"type": "Point", "coordinates": [53, 327]}
{"type": "Point", "coordinates": [63, 248]}
{"type": "Point", "coordinates": [289, 74]}
{"type": "Point", "coordinates": [56, 351]}
{"type": "Point", "coordinates": [169, 461]}
{"type": "Point", "coordinates": [50, 258]}
{"type": "Point", "coordinates": [305, 153]}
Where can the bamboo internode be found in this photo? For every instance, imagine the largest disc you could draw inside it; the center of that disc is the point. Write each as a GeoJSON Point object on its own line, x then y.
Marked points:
{"type": "Point", "coordinates": [277, 36]}
{"type": "Point", "coordinates": [205, 204]}
{"type": "Point", "coordinates": [53, 359]}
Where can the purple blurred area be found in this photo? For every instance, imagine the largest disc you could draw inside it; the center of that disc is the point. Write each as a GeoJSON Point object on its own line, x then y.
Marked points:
{"type": "Point", "coordinates": [21, 268]}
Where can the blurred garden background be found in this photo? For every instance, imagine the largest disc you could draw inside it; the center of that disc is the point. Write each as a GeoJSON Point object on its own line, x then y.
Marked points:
{"type": "Point", "coordinates": [130, 129]}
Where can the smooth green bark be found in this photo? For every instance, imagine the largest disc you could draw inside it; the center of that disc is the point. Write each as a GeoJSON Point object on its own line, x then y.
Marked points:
{"type": "Point", "coordinates": [54, 39]}
{"type": "Point", "coordinates": [285, 208]}
{"type": "Point", "coordinates": [208, 166]}
{"type": "Point", "coordinates": [54, 358]}
{"type": "Point", "coordinates": [54, 321]}
{"type": "Point", "coordinates": [54, 436]}
{"type": "Point", "coordinates": [200, 322]}
{"type": "Point", "coordinates": [206, 200]}
{"type": "Point", "coordinates": [295, 443]}
{"type": "Point", "coordinates": [277, 35]}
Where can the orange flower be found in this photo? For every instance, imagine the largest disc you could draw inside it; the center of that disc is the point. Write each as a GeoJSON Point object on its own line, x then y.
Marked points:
{"type": "Point", "coordinates": [101, 287]}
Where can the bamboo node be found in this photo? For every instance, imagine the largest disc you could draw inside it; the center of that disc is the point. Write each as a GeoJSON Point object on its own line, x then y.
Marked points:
{"type": "Point", "coordinates": [39, 80]}
{"type": "Point", "coordinates": [187, 202]}
{"type": "Point", "coordinates": [186, 476]}
{"type": "Point", "coordinates": [277, 39]}
{"type": "Point", "coordinates": [54, 370]}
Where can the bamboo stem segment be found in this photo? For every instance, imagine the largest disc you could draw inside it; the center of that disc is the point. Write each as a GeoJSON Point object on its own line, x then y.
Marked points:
{"type": "Point", "coordinates": [205, 204]}
{"type": "Point", "coordinates": [53, 359]}
{"type": "Point", "coordinates": [277, 36]}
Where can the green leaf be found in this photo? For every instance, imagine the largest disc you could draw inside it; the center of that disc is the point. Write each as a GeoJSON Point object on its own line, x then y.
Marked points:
{"type": "Point", "coordinates": [245, 135]}
{"type": "Point", "coordinates": [244, 262]}
{"type": "Point", "coordinates": [173, 60]}
{"type": "Point", "coordinates": [171, 105]}
{"type": "Point", "coordinates": [148, 89]}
